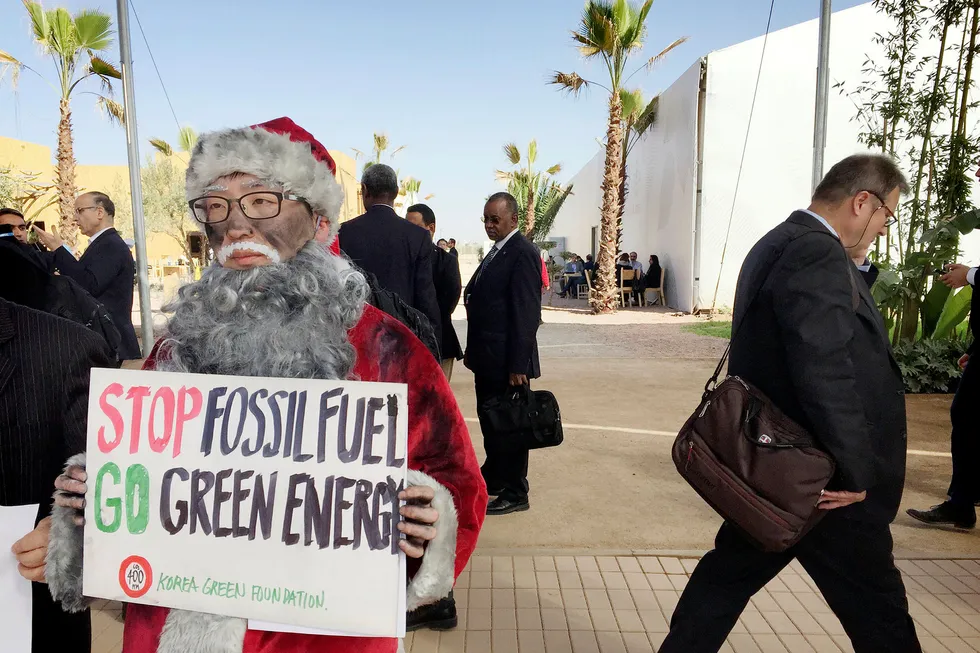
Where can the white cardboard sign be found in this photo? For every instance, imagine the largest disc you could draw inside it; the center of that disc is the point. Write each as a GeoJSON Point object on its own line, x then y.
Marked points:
{"type": "Point", "coordinates": [267, 499]}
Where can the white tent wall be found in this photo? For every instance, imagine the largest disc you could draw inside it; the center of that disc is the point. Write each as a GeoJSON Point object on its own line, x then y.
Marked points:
{"type": "Point", "coordinates": [659, 216]}
{"type": "Point", "coordinates": [776, 175]}
{"type": "Point", "coordinates": [580, 212]}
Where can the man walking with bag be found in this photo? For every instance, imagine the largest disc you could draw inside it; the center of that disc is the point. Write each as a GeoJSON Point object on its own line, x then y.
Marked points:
{"type": "Point", "coordinates": [824, 359]}
{"type": "Point", "coordinates": [503, 310]}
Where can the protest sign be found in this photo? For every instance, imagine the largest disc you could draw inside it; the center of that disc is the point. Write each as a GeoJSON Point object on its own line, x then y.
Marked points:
{"type": "Point", "coordinates": [267, 499]}
{"type": "Point", "coordinates": [16, 607]}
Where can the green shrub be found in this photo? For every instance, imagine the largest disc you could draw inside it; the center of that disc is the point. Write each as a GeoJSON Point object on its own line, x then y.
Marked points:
{"type": "Point", "coordinates": [929, 366]}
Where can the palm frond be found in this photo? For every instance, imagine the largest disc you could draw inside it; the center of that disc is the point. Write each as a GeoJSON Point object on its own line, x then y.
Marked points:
{"type": "Point", "coordinates": [380, 144]}
{"type": "Point", "coordinates": [429, 196]}
{"type": "Point", "coordinates": [357, 153]}
{"type": "Point", "coordinates": [632, 102]}
{"type": "Point", "coordinates": [554, 170]}
{"type": "Point", "coordinates": [571, 83]}
{"type": "Point", "coordinates": [39, 23]}
{"type": "Point", "coordinates": [9, 62]}
{"type": "Point", "coordinates": [597, 32]}
{"type": "Point", "coordinates": [186, 139]}
{"type": "Point", "coordinates": [93, 30]}
{"type": "Point", "coordinates": [512, 153]}
{"type": "Point", "coordinates": [532, 152]}
{"type": "Point", "coordinates": [502, 175]}
{"type": "Point", "coordinates": [657, 58]}
{"type": "Point", "coordinates": [112, 110]}
{"type": "Point", "coordinates": [397, 150]}
{"type": "Point", "coordinates": [647, 117]}
{"type": "Point", "coordinates": [162, 146]}
{"type": "Point", "coordinates": [102, 68]}
{"type": "Point", "coordinates": [632, 33]}
{"type": "Point", "coordinates": [64, 36]}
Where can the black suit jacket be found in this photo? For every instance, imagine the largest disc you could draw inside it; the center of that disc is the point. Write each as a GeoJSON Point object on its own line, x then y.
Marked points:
{"type": "Point", "coordinates": [449, 284]}
{"type": "Point", "coordinates": [44, 381]}
{"type": "Point", "coordinates": [826, 365]}
{"type": "Point", "coordinates": [106, 271]}
{"type": "Point", "coordinates": [398, 253]}
{"type": "Point", "coordinates": [503, 310]}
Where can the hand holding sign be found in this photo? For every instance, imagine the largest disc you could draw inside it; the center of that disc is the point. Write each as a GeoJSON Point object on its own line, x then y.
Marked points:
{"type": "Point", "coordinates": [71, 491]}
{"type": "Point", "coordinates": [420, 515]}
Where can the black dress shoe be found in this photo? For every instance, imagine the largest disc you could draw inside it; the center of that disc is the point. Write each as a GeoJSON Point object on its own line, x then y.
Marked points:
{"type": "Point", "coordinates": [440, 615]}
{"type": "Point", "coordinates": [945, 514]}
{"type": "Point", "coordinates": [504, 505]}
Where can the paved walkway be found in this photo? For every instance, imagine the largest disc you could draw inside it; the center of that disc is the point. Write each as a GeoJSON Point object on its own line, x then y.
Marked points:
{"type": "Point", "coordinates": [596, 604]}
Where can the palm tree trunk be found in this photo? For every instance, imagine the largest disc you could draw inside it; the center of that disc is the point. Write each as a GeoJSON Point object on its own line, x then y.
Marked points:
{"type": "Point", "coordinates": [65, 178]}
{"type": "Point", "coordinates": [532, 197]}
{"type": "Point", "coordinates": [604, 300]}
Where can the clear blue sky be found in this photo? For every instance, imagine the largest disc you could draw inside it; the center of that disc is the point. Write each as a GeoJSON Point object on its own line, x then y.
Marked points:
{"type": "Point", "coordinates": [452, 81]}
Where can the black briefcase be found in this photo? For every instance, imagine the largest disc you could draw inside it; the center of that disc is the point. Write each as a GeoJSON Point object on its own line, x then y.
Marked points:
{"type": "Point", "coordinates": [531, 418]}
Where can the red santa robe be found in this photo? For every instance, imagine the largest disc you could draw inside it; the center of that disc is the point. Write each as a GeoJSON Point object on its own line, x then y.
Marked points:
{"type": "Point", "coordinates": [440, 454]}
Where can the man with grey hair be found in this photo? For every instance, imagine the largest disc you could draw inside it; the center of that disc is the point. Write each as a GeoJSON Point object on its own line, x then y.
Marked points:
{"type": "Point", "coordinates": [807, 334]}
{"type": "Point", "coordinates": [278, 304]}
{"type": "Point", "coordinates": [394, 250]}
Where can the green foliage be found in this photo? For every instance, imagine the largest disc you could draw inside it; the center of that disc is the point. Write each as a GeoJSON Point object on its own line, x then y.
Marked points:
{"type": "Point", "coordinates": [711, 328]}
{"type": "Point", "coordinates": [929, 366]}
{"type": "Point", "coordinates": [955, 311]}
{"type": "Point", "coordinates": [549, 201]}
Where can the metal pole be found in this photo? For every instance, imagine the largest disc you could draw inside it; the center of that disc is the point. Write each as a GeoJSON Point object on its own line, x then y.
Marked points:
{"type": "Point", "coordinates": [132, 145]}
{"type": "Point", "coordinates": [823, 89]}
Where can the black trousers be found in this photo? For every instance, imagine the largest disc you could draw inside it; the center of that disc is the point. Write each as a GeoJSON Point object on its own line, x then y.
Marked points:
{"type": "Point", "coordinates": [505, 469]}
{"type": "Point", "coordinates": [53, 629]}
{"type": "Point", "coordinates": [850, 561]}
{"type": "Point", "coordinates": [964, 415]}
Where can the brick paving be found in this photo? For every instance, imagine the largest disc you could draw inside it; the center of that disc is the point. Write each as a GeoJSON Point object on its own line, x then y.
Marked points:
{"type": "Point", "coordinates": [621, 604]}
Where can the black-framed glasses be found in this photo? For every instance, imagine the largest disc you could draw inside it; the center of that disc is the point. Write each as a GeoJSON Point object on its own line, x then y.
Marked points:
{"type": "Point", "coordinates": [79, 209]}
{"type": "Point", "coordinates": [260, 205]}
{"type": "Point", "coordinates": [491, 220]}
{"type": "Point", "coordinates": [891, 218]}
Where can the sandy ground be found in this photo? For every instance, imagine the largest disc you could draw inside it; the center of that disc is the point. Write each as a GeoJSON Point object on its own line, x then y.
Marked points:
{"type": "Point", "coordinates": [624, 393]}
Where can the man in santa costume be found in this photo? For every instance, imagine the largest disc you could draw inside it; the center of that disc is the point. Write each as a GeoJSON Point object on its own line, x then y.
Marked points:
{"type": "Point", "coordinates": [278, 303]}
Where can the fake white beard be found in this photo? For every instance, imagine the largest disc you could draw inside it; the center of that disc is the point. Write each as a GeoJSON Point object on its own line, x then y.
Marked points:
{"type": "Point", "coordinates": [225, 252]}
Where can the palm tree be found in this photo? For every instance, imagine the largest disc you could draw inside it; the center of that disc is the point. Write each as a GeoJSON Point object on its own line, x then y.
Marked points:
{"type": "Point", "coordinates": [72, 42]}
{"type": "Point", "coordinates": [549, 199]}
{"type": "Point", "coordinates": [186, 140]}
{"type": "Point", "coordinates": [610, 31]}
{"type": "Point", "coordinates": [528, 177]}
{"type": "Point", "coordinates": [381, 145]}
{"type": "Point", "coordinates": [409, 189]}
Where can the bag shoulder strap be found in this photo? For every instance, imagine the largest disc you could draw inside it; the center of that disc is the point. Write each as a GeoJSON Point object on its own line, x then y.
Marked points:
{"type": "Point", "coordinates": [855, 301]}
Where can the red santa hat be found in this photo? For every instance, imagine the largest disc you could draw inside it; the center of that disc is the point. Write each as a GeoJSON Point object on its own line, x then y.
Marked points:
{"type": "Point", "coordinates": [278, 152]}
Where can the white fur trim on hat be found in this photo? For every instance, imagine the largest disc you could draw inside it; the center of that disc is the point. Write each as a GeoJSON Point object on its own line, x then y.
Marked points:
{"type": "Point", "coordinates": [436, 575]}
{"type": "Point", "coordinates": [271, 157]}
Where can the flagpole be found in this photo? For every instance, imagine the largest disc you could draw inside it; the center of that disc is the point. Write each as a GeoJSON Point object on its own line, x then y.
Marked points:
{"type": "Point", "coordinates": [823, 90]}
{"type": "Point", "coordinates": [136, 189]}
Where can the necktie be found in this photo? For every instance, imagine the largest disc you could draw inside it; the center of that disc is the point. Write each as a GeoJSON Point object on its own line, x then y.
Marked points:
{"type": "Point", "coordinates": [486, 261]}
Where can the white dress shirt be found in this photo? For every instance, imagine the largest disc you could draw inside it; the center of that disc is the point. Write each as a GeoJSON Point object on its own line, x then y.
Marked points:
{"type": "Point", "coordinates": [971, 276]}
{"type": "Point", "coordinates": [90, 240]}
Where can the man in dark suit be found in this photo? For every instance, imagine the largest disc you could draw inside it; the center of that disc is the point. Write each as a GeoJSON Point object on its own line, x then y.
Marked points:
{"type": "Point", "coordinates": [44, 379]}
{"type": "Point", "coordinates": [445, 275]}
{"type": "Point", "coordinates": [106, 270]}
{"type": "Point", "coordinates": [395, 251]}
{"type": "Point", "coordinates": [503, 310]}
{"type": "Point", "coordinates": [452, 247]}
{"type": "Point", "coordinates": [827, 365]}
{"type": "Point", "coordinates": [959, 510]}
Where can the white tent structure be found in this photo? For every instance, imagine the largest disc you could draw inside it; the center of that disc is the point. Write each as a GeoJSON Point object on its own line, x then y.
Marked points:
{"type": "Point", "coordinates": [682, 174]}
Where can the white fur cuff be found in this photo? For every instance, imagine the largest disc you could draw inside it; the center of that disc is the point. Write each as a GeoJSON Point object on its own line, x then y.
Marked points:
{"type": "Point", "coordinates": [63, 562]}
{"type": "Point", "coordinates": [434, 579]}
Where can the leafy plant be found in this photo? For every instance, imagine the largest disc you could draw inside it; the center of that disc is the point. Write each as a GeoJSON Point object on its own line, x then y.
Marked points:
{"type": "Point", "coordinates": [550, 198]}
{"type": "Point", "coordinates": [526, 176]}
{"type": "Point", "coordinates": [380, 145]}
{"type": "Point", "coordinates": [929, 366]}
{"type": "Point", "coordinates": [611, 32]}
{"type": "Point", "coordinates": [73, 42]}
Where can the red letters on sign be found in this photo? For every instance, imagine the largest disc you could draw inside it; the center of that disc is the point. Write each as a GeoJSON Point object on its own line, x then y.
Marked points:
{"type": "Point", "coordinates": [177, 407]}
{"type": "Point", "coordinates": [166, 397]}
{"type": "Point", "coordinates": [185, 413]}
{"type": "Point", "coordinates": [114, 390]}
{"type": "Point", "coordinates": [136, 393]}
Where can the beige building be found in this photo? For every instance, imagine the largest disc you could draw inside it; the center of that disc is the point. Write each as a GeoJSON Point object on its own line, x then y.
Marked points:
{"type": "Point", "coordinates": [162, 248]}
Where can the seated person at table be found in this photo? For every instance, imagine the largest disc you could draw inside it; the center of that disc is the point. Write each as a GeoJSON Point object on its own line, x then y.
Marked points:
{"type": "Point", "coordinates": [573, 276]}
{"type": "Point", "coordinates": [652, 279]}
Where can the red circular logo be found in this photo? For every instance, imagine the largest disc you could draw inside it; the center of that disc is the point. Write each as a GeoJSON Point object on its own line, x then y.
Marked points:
{"type": "Point", "coordinates": [135, 576]}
